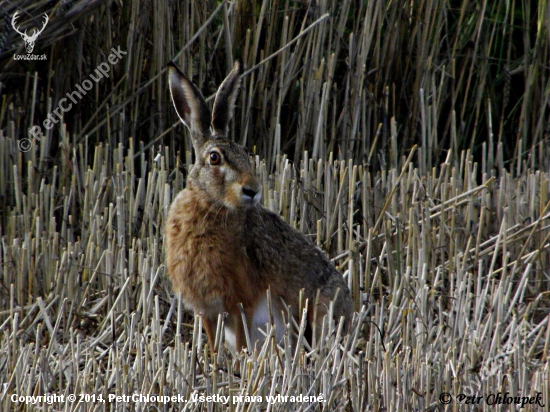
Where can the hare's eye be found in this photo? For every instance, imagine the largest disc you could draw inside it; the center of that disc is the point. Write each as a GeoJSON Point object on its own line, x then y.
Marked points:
{"type": "Point", "coordinates": [215, 158]}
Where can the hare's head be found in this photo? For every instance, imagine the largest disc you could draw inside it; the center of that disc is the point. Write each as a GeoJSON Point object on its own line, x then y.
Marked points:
{"type": "Point", "coordinates": [222, 168]}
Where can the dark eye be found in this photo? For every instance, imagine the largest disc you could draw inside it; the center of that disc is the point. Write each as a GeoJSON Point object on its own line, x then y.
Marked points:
{"type": "Point", "coordinates": [215, 158]}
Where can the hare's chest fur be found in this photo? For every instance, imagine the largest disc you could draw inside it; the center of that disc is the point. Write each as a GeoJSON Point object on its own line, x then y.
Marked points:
{"type": "Point", "coordinates": [206, 256]}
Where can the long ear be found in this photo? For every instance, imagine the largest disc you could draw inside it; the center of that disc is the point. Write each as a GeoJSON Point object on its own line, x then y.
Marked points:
{"type": "Point", "coordinates": [225, 100]}
{"type": "Point", "coordinates": [190, 106]}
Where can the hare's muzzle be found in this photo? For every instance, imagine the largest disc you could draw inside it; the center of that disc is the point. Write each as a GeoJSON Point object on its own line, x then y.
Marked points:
{"type": "Point", "coordinates": [251, 191]}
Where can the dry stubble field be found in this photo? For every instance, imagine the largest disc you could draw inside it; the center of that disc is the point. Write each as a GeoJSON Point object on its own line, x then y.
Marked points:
{"type": "Point", "coordinates": [395, 137]}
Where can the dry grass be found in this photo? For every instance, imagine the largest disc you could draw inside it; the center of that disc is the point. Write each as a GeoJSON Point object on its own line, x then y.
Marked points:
{"type": "Point", "coordinates": [450, 281]}
{"type": "Point", "coordinates": [446, 250]}
{"type": "Point", "coordinates": [323, 76]}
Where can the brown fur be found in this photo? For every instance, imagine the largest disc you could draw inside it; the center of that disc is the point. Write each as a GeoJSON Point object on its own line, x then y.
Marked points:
{"type": "Point", "coordinates": [223, 247]}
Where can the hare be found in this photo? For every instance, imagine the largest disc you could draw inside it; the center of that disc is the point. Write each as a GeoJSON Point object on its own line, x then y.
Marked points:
{"type": "Point", "coordinates": [223, 247]}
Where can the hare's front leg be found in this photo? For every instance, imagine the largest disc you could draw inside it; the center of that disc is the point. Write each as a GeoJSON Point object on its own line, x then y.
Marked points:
{"type": "Point", "coordinates": [235, 337]}
{"type": "Point", "coordinates": [209, 326]}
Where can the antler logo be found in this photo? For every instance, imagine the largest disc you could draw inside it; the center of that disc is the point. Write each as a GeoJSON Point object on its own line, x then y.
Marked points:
{"type": "Point", "coordinates": [29, 40]}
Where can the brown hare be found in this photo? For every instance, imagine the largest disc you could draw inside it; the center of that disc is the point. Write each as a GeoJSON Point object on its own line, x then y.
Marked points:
{"type": "Point", "coordinates": [224, 247]}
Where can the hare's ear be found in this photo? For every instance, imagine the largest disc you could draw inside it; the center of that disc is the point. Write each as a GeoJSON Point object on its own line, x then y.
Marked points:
{"type": "Point", "coordinates": [225, 100]}
{"type": "Point", "coordinates": [190, 106]}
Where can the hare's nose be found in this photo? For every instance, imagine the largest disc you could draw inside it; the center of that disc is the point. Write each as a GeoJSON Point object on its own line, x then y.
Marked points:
{"type": "Point", "coordinates": [249, 191]}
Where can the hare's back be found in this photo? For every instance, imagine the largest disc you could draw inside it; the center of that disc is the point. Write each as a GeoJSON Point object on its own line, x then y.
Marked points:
{"type": "Point", "coordinates": [288, 258]}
